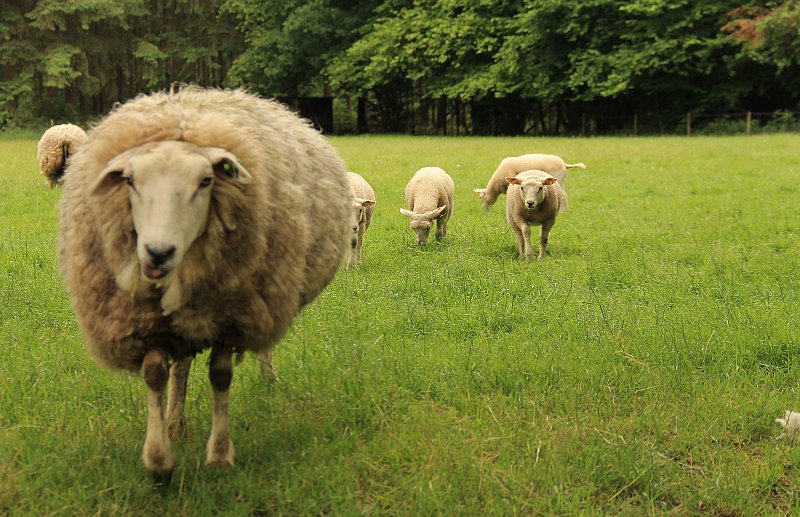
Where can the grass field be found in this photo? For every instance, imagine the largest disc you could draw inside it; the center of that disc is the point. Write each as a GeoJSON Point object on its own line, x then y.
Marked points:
{"type": "Point", "coordinates": [636, 370]}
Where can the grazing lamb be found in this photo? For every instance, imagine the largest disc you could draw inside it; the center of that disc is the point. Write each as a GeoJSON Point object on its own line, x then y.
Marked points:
{"type": "Point", "coordinates": [363, 206]}
{"type": "Point", "coordinates": [430, 195]}
{"type": "Point", "coordinates": [513, 165]}
{"type": "Point", "coordinates": [198, 219]}
{"type": "Point", "coordinates": [55, 147]}
{"type": "Point", "coordinates": [534, 198]}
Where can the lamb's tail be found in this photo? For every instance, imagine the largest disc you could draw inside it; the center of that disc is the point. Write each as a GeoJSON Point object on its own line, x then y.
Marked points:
{"type": "Point", "coordinates": [579, 165]}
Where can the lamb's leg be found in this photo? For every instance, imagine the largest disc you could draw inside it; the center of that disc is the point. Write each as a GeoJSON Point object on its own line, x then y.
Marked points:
{"type": "Point", "coordinates": [526, 238]}
{"type": "Point", "coordinates": [520, 240]}
{"type": "Point", "coordinates": [441, 229]}
{"type": "Point", "coordinates": [546, 226]}
{"type": "Point", "coordinates": [359, 245]}
{"type": "Point", "coordinates": [220, 373]}
{"type": "Point", "coordinates": [178, 382]}
{"type": "Point", "coordinates": [157, 453]}
{"type": "Point", "coordinates": [268, 371]}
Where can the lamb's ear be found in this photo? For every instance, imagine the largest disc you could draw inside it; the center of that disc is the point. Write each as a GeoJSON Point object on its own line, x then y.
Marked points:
{"type": "Point", "coordinates": [436, 212]}
{"type": "Point", "coordinates": [226, 165]}
{"type": "Point", "coordinates": [407, 213]}
{"type": "Point", "coordinates": [111, 175]}
{"type": "Point", "coordinates": [513, 180]}
{"type": "Point", "coordinates": [549, 181]}
{"type": "Point", "coordinates": [366, 202]}
{"type": "Point", "coordinates": [479, 191]}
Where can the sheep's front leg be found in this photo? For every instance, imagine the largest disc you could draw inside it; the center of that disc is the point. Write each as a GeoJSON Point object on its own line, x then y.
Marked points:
{"type": "Point", "coordinates": [220, 373]}
{"type": "Point", "coordinates": [178, 383]}
{"type": "Point", "coordinates": [526, 241]}
{"type": "Point", "coordinates": [441, 229]}
{"type": "Point", "coordinates": [359, 245]}
{"type": "Point", "coordinates": [157, 453]}
{"type": "Point", "coordinates": [546, 226]}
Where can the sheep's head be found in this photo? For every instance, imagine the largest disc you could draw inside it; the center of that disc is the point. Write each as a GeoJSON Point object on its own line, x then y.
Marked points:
{"type": "Point", "coordinates": [421, 222]}
{"type": "Point", "coordinates": [169, 186]}
{"type": "Point", "coordinates": [358, 214]}
{"type": "Point", "coordinates": [531, 190]}
{"type": "Point", "coordinates": [486, 199]}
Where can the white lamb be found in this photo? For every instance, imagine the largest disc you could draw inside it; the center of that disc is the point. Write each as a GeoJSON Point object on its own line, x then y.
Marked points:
{"type": "Point", "coordinates": [513, 165]}
{"type": "Point", "coordinates": [430, 195]}
{"type": "Point", "coordinates": [534, 198]}
{"type": "Point", "coordinates": [363, 207]}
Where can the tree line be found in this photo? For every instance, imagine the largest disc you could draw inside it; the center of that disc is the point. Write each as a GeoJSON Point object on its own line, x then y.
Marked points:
{"type": "Point", "coordinates": [414, 66]}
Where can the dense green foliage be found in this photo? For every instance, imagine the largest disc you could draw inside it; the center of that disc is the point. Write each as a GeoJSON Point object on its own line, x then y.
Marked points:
{"type": "Point", "coordinates": [635, 371]}
{"type": "Point", "coordinates": [488, 66]}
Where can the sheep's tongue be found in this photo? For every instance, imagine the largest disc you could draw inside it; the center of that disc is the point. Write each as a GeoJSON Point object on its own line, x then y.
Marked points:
{"type": "Point", "coordinates": [153, 272]}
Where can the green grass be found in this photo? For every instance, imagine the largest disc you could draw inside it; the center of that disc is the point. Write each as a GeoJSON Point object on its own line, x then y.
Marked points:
{"type": "Point", "coordinates": [636, 370]}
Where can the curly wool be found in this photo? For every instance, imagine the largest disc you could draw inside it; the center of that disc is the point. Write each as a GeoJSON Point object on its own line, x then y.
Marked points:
{"type": "Point", "coordinates": [55, 146]}
{"type": "Point", "coordinates": [268, 248]}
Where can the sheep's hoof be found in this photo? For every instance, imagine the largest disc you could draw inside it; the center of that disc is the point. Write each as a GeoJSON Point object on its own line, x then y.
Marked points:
{"type": "Point", "coordinates": [220, 454]}
{"type": "Point", "coordinates": [162, 479]}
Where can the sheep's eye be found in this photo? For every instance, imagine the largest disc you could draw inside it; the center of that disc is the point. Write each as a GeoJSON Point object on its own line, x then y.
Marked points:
{"type": "Point", "coordinates": [522, 189]}
{"type": "Point", "coordinates": [206, 182]}
{"type": "Point", "coordinates": [129, 181]}
{"type": "Point", "coordinates": [540, 189]}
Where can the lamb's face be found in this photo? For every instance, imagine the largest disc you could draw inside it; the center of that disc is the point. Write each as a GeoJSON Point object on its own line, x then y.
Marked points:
{"type": "Point", "coordinates": [356, 214]}
{"type": "Point", "coordinates": [531, 191]}
{"type": "Point", "coordinates": [421, 222]}
{"type": "Point", "coordinates": [169, 187]}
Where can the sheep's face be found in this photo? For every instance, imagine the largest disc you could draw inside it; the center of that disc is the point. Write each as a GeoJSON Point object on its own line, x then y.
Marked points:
{"type": "Point", "coordinates": [531, 191]}
{"type": "Point", "coordinates": [359, 216]}
{"type": "Point", "coordinates": [169, 186]}
{"type": "Point", "coordinates": [421, 222]}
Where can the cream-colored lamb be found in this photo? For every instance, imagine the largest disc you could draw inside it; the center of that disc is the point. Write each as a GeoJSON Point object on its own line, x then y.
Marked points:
{"type": "Point", "coordinates": [513, 165]}
{"type": "Point", "coordinates": [534, 198]}
{"type": "Point", "coordinates": [363, 207]}
{"type": "Point", "coordinates": [430, 195]}
{"type": "Point", "coordinates": [54, 149]}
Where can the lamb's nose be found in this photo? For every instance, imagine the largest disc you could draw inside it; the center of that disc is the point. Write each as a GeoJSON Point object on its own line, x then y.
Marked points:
{"type": "Point", "coordinates": [160, 254]}
{"type": "Point", "coordinates": [530, 205]}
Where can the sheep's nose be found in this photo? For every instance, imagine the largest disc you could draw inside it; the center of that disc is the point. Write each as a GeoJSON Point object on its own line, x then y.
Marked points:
{"type": "Point", "coordinates": [160, 254]}
{"type": "Point", "coordinates": [531, 204]}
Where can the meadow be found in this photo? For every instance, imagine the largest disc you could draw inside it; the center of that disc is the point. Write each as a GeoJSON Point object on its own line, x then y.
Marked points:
{"type": "Point", "coordinates": [636, 370]}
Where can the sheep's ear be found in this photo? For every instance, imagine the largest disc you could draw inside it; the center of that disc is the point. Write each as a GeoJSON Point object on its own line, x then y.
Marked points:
{"type": "Point", "coordinates": [513, 180]}
{"type": "Point", "coordinates": [436, 212]}
{"type": "Point", "coordinates": [111, 175]}
{"type": "Point", "coordinates": [479, 191]}
{"type": "Point", "coordinates": [367, 202]}
{"type": "Point", "coordinates": [226, 165]}
{"type": "Point", "coordinates": [549, 181]}
{"type": "Point", "coordinates": [407, 213]}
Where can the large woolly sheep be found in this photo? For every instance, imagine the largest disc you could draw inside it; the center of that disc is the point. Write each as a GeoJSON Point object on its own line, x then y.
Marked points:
{"type": "Point", "coordinates": [55, 147]}
{"type": "Point", "coordinates": [430, 194]}
{"type": "Point", "coordinates": [192, 220]}
{"type": "Point", "coordinates": [534, 198]}
{"type": "Point", "coordinates": [363, 207]}
{"type": "Point", "coordinates": [513, 165]}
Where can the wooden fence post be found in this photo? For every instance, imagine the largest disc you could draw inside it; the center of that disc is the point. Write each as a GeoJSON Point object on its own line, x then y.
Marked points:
{"type": "Point", "coordinates": [635, 124]}
{"type": "Point", "coordinates": [749, 123]}
{"type": "Point", "coordinates": [689, 124]}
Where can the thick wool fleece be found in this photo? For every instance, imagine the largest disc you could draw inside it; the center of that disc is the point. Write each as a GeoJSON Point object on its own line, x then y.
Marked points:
{"type": "Point", "coordinates": [430, 188]}
{"type": "Point", "coordinates": [55, 147]}
{"type": "Point", "coordinates": [555, 201]}
{"type": "Point", "coordinates": [268, 248]}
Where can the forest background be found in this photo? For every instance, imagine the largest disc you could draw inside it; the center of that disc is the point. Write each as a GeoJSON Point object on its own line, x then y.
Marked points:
{"type": "Point", "coordinates": [536, 67]}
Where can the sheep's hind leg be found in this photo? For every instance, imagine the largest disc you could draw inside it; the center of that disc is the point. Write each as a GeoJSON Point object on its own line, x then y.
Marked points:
{"type": "Point", "coordinates": [157, 453]}
{"type": "Point", "coordinates": [178, 382]}
{"type": "Point", "coordinates": [220, 373]}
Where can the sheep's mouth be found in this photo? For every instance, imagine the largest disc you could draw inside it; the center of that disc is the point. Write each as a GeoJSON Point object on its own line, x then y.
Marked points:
{"type": "Point", "coordinates": [154, 274]}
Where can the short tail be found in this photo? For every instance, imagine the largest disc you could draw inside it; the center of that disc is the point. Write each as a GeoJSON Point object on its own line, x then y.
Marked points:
{"type": "Point", "coordinates": [573, 165]}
